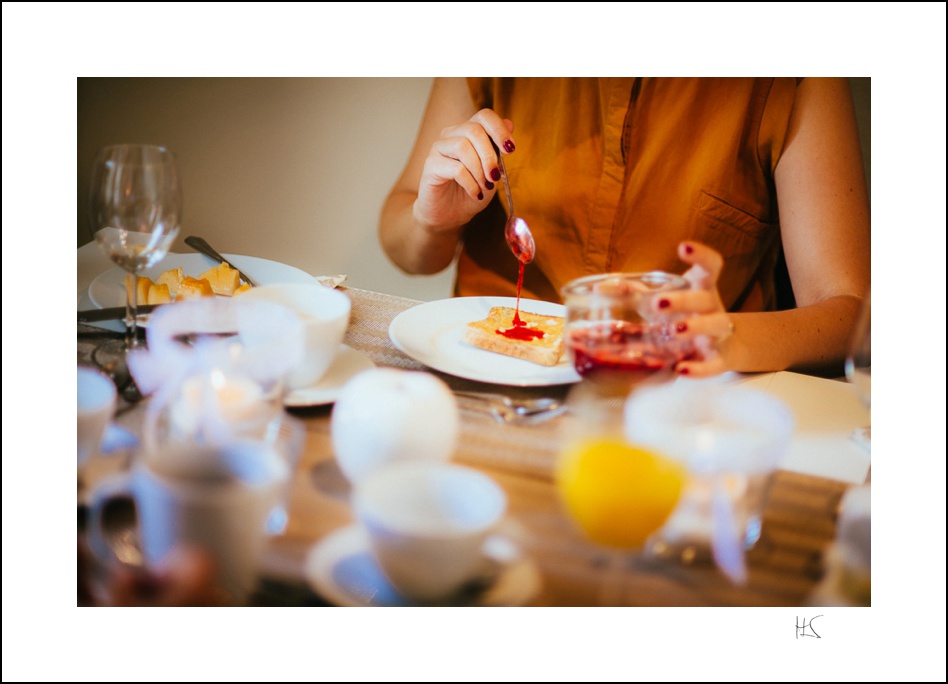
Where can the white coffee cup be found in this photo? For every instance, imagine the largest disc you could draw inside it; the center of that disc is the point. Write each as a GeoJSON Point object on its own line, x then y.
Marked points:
{"type": "Point", "coordinates": [430, 524]}
{"type": "Point", "coordinates": [324, 313]}
{"type": "Point", "coordinates": [96, 398]}
{"type": "Point", "coordinates": [215, 498]}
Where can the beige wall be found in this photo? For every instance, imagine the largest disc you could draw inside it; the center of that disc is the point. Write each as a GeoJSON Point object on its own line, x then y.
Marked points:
{"type": "Point", "coordinates": [290, 169]}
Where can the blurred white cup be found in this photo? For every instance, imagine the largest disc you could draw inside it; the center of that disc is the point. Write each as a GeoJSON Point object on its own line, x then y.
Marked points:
{"type": "Point", "coordinates": [324, 313]}
{"type": "Point", "coordinates": [96, 399]}
{"type": "Point", "coordinates": [218, 498]}
{"type": "Point", "coordinates": [430, 525]}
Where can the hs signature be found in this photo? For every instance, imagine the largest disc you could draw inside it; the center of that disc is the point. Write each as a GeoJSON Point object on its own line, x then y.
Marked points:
{"type": "Point", "coordinates": [804, 625]}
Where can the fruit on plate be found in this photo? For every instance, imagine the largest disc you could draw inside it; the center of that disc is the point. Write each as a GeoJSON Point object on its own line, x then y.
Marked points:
{"type": "Point", "coordinates": [151, 293]}
{"type": "Point", "coordinates": [172, 278]}
{"type": "Point", "coordinates": [194, 287]}
{"type": "Point", "coordinates": [224, 280]}
{"type": "Point", "coordinates": [174, 285]}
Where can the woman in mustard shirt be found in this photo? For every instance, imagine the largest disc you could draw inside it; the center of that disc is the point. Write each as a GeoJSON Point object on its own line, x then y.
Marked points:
{"type": "Point", "coordinates": [728, 178]}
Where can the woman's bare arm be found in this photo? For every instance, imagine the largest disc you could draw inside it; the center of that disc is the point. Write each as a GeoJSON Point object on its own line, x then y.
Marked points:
{"type": "Point", "coordinates": [446, 181]}
{"type": "Point", "coordinates": [825, 226]}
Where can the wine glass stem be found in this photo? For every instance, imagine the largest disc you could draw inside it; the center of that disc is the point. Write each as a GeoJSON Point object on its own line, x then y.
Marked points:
{"type": "Point", "coordinates": [131, 311]}
{"type": "Point", "coordinates": [612, 586]}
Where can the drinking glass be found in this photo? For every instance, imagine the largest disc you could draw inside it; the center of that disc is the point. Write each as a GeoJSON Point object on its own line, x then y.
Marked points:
{"type": "Point", "coordinates": [617, 341]}
{"type": "Point", "coordinates": [859, 364]}
{"type": "Point", "coordinates": [731, 439]}
{"type": "Point", "coordinates": [135, 213]}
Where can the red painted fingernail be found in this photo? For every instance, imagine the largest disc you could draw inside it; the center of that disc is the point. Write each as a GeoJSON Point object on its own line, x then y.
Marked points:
{"type": "Point", "coordinates": [480, 195]}
{"type": "Point", "coordinates": [509, 146]}
{"type": "Point", "coordinates": [664, 303]}
{"type": "Point", "coordinates": [681, 327]}
{"type": "Point", "coordinates": [683, 371]}
{"type": "Point", "coordinates": [488, 185]}
{"type": "Point", "coordinates": [689, 249]}
{"type": "Point", "coordinates": [495, 174]}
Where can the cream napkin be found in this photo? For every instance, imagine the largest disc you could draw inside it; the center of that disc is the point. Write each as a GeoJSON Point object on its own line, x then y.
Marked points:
{"type": "Point", "coordinates": [331, 281]}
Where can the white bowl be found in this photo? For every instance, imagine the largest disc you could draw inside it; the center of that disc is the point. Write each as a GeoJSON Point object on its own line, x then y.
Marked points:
{"type": "Point", "coordinates": [324, 313]}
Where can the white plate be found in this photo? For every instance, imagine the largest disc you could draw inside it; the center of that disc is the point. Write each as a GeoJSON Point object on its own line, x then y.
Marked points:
{"type": "Point", "coordinates": [108, 288]}
{"type": "Point", "coordinates": [432, 334]}
{"type": "Point", "coordinates": [348, 363]}
{"type": "Point", "coordinates": [342, 570]}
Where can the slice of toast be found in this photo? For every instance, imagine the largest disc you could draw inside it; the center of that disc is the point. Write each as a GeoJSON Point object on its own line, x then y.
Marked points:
{"type": "Point", "coordinates": [488, 334]}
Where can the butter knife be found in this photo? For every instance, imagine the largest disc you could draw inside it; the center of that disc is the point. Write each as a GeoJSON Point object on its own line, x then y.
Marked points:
{"type": "Point", "coordinates": [114, 313]}
{"type": "Point", "coordinates": [200, 244]}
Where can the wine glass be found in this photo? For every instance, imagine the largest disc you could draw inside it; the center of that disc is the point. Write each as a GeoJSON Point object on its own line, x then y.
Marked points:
{"type": "Point", "coordinates": [617, 492]}
{"type": "Point", "coordinates": [135, 213]}
{"type": "Point", "coordinates": [859, 364]}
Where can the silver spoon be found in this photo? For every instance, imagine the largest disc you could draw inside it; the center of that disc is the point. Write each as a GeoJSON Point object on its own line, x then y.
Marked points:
{"type": "Point", "coordinates": [517, 233]}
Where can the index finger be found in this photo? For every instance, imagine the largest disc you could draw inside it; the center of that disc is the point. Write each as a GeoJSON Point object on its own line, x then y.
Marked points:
{"type": "Point", "coordinates": [706, 264]}
{"type": "Point", "coordinates": [498, 140]}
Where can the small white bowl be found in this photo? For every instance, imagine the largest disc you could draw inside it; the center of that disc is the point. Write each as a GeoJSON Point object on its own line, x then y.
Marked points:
{"type": "Point", "coordinates": [324, 313]}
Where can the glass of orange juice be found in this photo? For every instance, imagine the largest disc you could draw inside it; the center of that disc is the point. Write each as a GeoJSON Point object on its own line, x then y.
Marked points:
{"type": "Point", "coordinates": [617, 493]}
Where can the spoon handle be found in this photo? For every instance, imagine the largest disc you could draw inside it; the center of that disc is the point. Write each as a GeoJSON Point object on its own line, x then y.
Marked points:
{"type": "Point", "coordinates": [201, 245]}
{"type": "Point", "coordinates": [503, 173]}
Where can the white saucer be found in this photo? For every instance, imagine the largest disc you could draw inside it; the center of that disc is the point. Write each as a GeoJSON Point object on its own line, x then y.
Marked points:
{"type": "Point", "coordinates": [342, 570]}
{"type": "Point", "coordinates": [347, 364]}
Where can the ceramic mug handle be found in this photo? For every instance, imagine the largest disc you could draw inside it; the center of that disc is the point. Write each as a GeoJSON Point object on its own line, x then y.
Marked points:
{"type": "Point", "coordinates": [109, 489]}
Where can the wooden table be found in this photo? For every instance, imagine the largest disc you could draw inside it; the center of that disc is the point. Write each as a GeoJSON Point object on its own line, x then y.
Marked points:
{"type": "Point", "coordinates": [784, 567]}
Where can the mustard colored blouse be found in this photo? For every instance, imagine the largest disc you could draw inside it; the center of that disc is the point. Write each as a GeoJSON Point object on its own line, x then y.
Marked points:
{"type": "Point", "coordinates": [612, 173]}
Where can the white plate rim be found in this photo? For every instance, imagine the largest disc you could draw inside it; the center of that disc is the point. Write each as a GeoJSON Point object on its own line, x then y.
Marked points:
{"type": "Point", "coordinates": [108, 289]}
{"type": "Point", "coordinates": [518, 583]}
{"type": "Point", "coordinates": [348, 363]}
{"type": "Point", "coordinates": [419, 331]}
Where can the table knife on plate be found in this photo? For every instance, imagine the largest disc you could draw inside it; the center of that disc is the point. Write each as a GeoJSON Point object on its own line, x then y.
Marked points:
{"type": "Point", "coordinates": [114, 313]}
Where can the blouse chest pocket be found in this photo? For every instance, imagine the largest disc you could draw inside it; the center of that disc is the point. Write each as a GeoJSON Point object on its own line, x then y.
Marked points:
{"type": "Point", "coordinates": [732, 231]}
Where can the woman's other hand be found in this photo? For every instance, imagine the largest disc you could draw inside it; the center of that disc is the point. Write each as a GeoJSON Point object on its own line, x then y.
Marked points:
{"type": "Point", "coordinates": [704, 318]}
{"type": "Point", "coordinates": [824, 228]}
